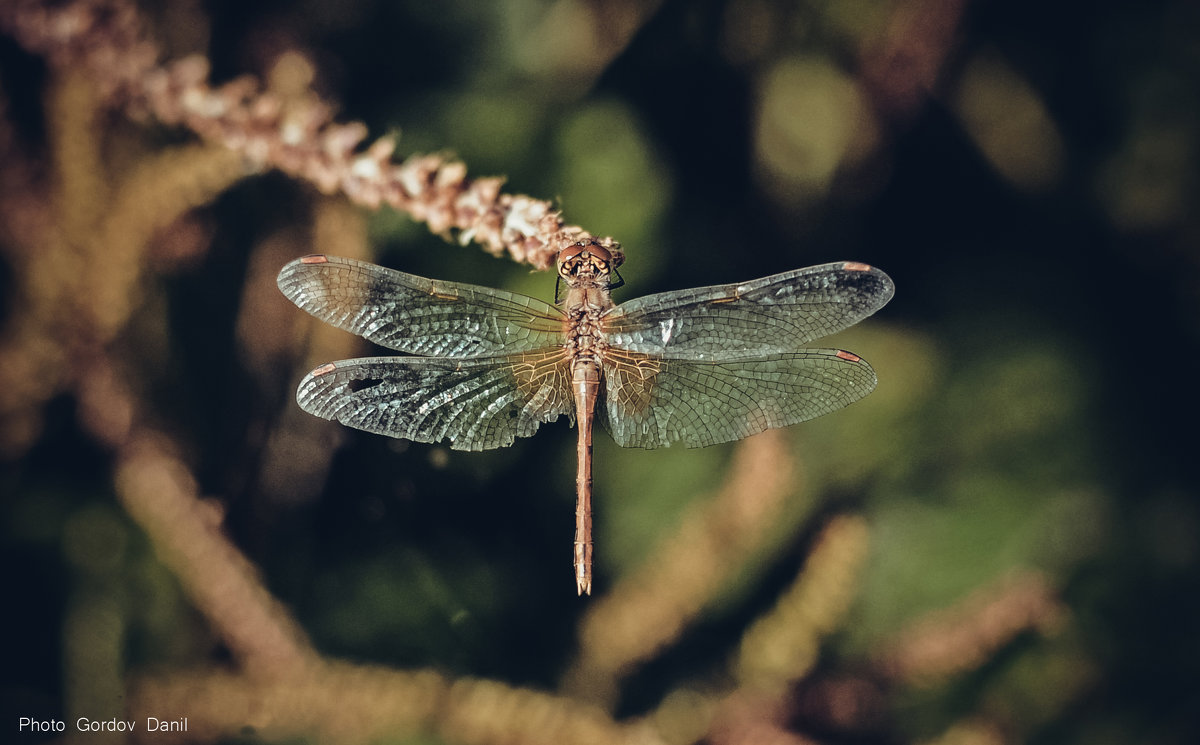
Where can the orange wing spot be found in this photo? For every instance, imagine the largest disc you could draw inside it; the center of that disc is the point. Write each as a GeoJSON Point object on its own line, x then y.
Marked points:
{"type": "Point", "coordinates": [325, 369]}
{"type": "Point", "coordinates": [314, 259]}
{"type": "Point", "coordinates": [855, 266]}
{"type": "Point", "coordinates": [848, 356]}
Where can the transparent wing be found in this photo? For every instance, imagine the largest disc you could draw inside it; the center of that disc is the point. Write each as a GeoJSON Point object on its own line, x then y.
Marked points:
{"type": "Point", "coordinates": [653, 402]}
{"type": "Point", "coordinates": [475, 404]}
{"type": "Point", "coordinates": [767, 316]}
{"type": "Point", "coordinates": [417, 315]}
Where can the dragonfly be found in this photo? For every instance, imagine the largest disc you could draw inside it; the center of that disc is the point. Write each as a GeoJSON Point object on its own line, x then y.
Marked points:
{"type": "Point", "coordinates": [482, 367]}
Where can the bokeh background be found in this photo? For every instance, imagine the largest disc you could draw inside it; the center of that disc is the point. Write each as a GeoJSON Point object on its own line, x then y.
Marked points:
{"type": "Point", "coordinates": [1009, 525]}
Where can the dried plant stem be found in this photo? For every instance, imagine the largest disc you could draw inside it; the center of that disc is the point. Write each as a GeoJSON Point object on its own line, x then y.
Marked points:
{"type": "Point", "coordinates": [82, 189]}
{"type": "Point", "coordinates": [158, 191]}
{"type": "Point", "coordinates": [964, 636]}
{"type": "Point", "coordinates": [160, 494]}
{"type": "Point", "coordinates": [753, 720]}
{"type": "Point", "coordinates": [294, 133]}
{"type": "Point", "coordinates": [783, 645]}
{"type": "Point", "coordinates": [348, 703]}
{"type": "Point", "coordinates": [336, 702]}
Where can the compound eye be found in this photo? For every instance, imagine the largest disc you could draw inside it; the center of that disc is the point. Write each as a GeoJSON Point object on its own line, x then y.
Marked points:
{"type": "Point", "coordinates": [570, 252]}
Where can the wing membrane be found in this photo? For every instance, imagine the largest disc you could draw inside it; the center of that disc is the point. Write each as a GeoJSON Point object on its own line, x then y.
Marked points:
{"type": "Point", "coordinates": [417, 315]}
{"type": "Point", "coordinates": [476, 404]}
{"type": "Point", "coordinates": [767, 316]}
{"type": "Point", "coordinates": [653, 402]}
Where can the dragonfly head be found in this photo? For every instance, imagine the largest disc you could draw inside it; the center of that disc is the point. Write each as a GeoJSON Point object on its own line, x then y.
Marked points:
{"type": "Point", "coordinates": [585, 263]}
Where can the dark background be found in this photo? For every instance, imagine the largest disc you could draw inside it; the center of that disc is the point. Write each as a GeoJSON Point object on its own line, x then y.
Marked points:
{"type": "Point", "coordinates": [1027, 174]}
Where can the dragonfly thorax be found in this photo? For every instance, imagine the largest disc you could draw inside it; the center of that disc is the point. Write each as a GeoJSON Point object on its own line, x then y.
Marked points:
{"type": "Point", "coordinates": [585, 267]}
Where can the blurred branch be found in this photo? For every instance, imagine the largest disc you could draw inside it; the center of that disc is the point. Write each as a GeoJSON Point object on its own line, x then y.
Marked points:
{"type": "Point", "coordinates": [579, 39]}
{"type": "Point", "coordinates": [648, 610]}
{"type": "Point", "coordinates": [901, 68]}
{"type": "Point", "coordinates": [160, 189]}
{"type": "Point", "coordinates": [295, 133]}
{"type": "Point", "coordinates": [75, 141]}
{"type": "Point", "coordinates": [334, 701]}
{"type": "Point", "coordinates": [79, 237]}
{"type": "Point", "coordinates": [750, 719]}
{"type": "Point", "coordinates": [783, 645]}
{"type": "Point", "coordinates": [356, 704]}
{"type": "Point", "coordinates": [963, 637]}
{"type": "Point", "coordinates": [299, 447]}
{"type": "Point", "coordinates": [160, 494]}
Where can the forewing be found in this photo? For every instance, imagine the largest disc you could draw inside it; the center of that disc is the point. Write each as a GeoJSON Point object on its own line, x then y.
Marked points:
{"type": "Point", "coordinates": [475, 404]}
{"type": "Point", "coordinates": [772, 315]}
{"type": "Point", "coordinates": [417, 315]}
{"type": "Point", "coordinates": [653, 402]}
